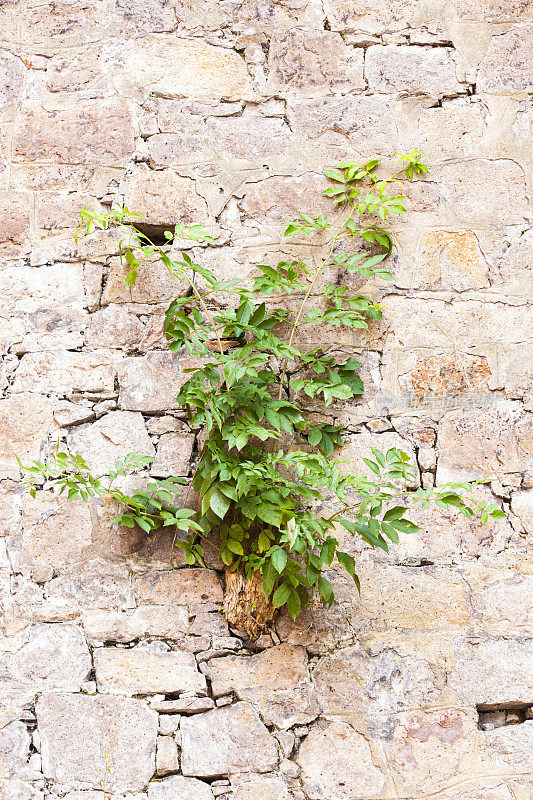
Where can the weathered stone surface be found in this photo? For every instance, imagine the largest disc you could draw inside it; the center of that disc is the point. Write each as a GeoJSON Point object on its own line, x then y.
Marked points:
{"type": "Point", "coordinates": [492, 10]}
{"type": "Point", "coordinates": [426, 70]}
{"type": "Point", "coordinates": [46, 657]}
{"type": "Point", "coordinates": [175, 67]}
{"type": "Point", "coordinates": [19, 790]}
{"type": "Point", "coordinates": [498, 600]}
{"type": "Point", "coordinates": [114, 327]}
{"type": "Point", "coordinates": [337, 763]}
{"type": "Point", "coordinates": [150, 383]}
{"type": "Point", "coordinates": [263, 789]}
{"type": "Point", "coordinates": [276, 200]}
{"type": "Point", "coordinates": [111, 437]}
{"type": "Point", "coordinates": [225, 740]}
{"type": "Point", "coordinates": [313, 62]}
{"type": "Point", "coordinates": [166, 756]}
{"type": "Point", "coordinates": [177, 786]}
{"type": "Point", "coordinates": [154, 284]}
{"type": "Point", "coordinates": [162, 198]}
{"type": "Point", "coordinates": [14, 749]}
{"type": "Point", "coordinates": [183, 586]}
{"type": "Point", "coordinates": [275, 682]}
{"type": "Point", "coordinates": [522, 506]}
{"type": "Point", "coordinates": [494, 671]}
{"type": "Point", "coordinates": [358, 447]}
{"type": "Point", "coordinates": [450, 259]}
{"type": "Point", "coordinates": [64, 372]}
{"type": "Point", "coordinates": [163, 621]}
{"type": "Point", "coordinates": [515, 268]}
{"type": "Point", "coordinates": [509, 749]}
{"type": "Point", "coordinates": [136, 671]}
{"type": "Point", "coordinates": [457, 129]}
{"type": "Point", "coordinates": [84, 737]}
{"type": "Point", "coordinates": [91, 585]}
{"type": "Point", "coordinates": [150, 16]}
{"type": "Point", "coordinates": [173, 455]}
{"type": "Point", "coordinates": [508, 65]}
{"type": "Point", "coordinates": [14, 224]}
{"type": "Point", "coordinates": [91, 132]}
{"type": "Point", "coordinates": [14, 76]}
{"type": "Point", "coordinates": [25, 422]}
{"type": "Point", "coordinates": [27, 290]}
{"type": "Point", "coordinates": [375, 16]}
{"type": "Point", "coordinates": [492, 442]}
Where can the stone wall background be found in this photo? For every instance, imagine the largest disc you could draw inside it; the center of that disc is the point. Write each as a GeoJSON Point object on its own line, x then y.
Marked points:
{"type": "Point", "coordinates": [118, 670]}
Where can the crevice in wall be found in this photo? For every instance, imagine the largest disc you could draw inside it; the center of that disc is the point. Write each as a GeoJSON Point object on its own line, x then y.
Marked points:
{"type": "Point", "coordinates": [501, 714]}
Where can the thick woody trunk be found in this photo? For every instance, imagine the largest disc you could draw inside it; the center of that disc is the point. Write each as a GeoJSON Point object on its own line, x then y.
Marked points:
{"type": "Point", "coordinates": [245, 604]}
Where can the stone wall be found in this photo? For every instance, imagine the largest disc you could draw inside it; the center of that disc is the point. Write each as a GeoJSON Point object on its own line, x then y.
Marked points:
{"type": "Point", "coordinates": [118, 670]}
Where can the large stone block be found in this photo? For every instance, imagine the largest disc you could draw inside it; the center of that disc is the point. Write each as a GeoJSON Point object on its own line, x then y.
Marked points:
{"type": "Point", "coordinates": [509, 749]}
{"type": "Point", "coordinates": [175, 67]}
{"type": "Point", "coordinates": [427, 70]}
{"type": "Point", "coordinates": [13, 80]}
{"type": "Point", "coordinates": [137, 671]}
{"type": "Point", "coordinates": [62, 372]}
{"type": "Point", "coordinates": [112, 437]}
{"type": "Point", "coordinates": [491, 10]}
{"type": "Point", "coordinates": [14, 224]}
{"type": "Point", "coordinates": [114, 326]}
{"type": "Point", "coordinates": [182, 586]}
{"type": "Point", "coordinates": [492, 671]}
{"type": "Point", "coordinates": [46, 657]}
{"type": "Point", "coordinates": [154, 284]}
{"type": "Point", "coordinates": [486, 192]}
{"type": "Point", "coordinates": [508, 66]}
{"type": "Point", "coordinates": [148, 16]}
{"type": "Point", "coordinates": [275, 682]}
{"type": "Point", "coordinates": [91, 132]}
{"type": "Point", "coordinates": [25, 422]}
{"type": "Point", "coordinates": [522, 506]}
{"type": "Point", "coordinates": [359, 445]}
{"type": "Point", "coordinates": [164, 622]}
{"type": "Point", "coordinates": [336, 762]}
{"type": "Point", "coordinates": [83, 738]}
{"type": "Point", "coordinates": [277, 200]}
{"type": "Point", "coordinates": [27, 290]}
{"type": "Point", "coordinates": [263, 789]}
{"type": "Point", "coordinates": [152, 382]}
{"type": "Point", "coordinates": [226, 740]}
{"type": "Point", "coordinates": [376, 16]}
{"type": "Point", "coordinates": [514, 271]}
{"type": "Point", "coordinates": [162, 198]}
{"type": "Point", "coordinates": [91, 585]}
{"type": "Point", "coordinates": [492, 442]}
{"type": "Point", "coordinates": [14, 749]}
{"type": "Point", "coordinates": [313, 62]}
{"type": "Point", "coordinates": [179, 787]}
{"type": "Point", "coordinates": [250, 139]}
{"type": "Point", "coordinates": [174, 453]}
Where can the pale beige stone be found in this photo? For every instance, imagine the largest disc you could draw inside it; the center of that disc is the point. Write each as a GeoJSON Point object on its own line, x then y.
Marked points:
{"type": "Point", "coordinates": [148, 16]}
{"type": "Point", "coordinates": [14, 224]}
{"type": "Point", "coordinates": [358, 446]}
{"type": "Point", "coordinates": [275, 682]}
{"type": "Point", "coordinates": [176, 67]}
{"type": "Point", "coordinates": [514, 273]}
{"type": "Point", "coordinates": [375, 16]}
{"type": "Point", "coordinates": [174, 453]}
{"type": "Point", "coordinates": [492, 671]}
{"type": "Point", "coordinates": [62, 372]}
{"type": "Point", "coordinates": [136, 671]}
{"type": "Point", "coordinates": [25, 422]}
{"type": "Point", "coordinates": [278, 200]}
{"type": "Point", "coordinates": [183, 586]}
{"type": "Point", "coordinates": [249, 139]}
{"type": "Point", "coordinates": [46, 656]}
{"type": "Point", "coordinates": [508, 66]}
{"type": "Point", "coordinates": [19, 790]}
{"type": "Point", "coordinates": [313, 62]}
{"type": "Point", "coordinates": [503, 606]}
{"type": "Point", "coordinates": [491, 442]}
{"type": "Point", "coordinates": [114, 326]}
{"type": "Point", "coordinates": [263, 789]}
{"type": "Point", "coordinates": [67, 413]}
{"type": "Point", "coordinates": [13, 80]}
{"type": "Point", "coordinates": [14, 749]}
{"type": "Point", "coordinates": [110, 438]}
{"type": "Point", "coordinates": [152, 382]}
{"type": "Point", "coordinates": [84, 737]}
{"type": "Point", "coordinates": [392, 68]}
{"type": "Point", "coordinates": [226, 740]}
{"type": "Point", "coordinates": [522, 506]}
{"type": "Point", "coordinates": [452, 259]}
{"type": "Point", "coordinates": [162, 198]}
{"type": "Point", "coordinates": [492, 10]}
{"type": "Point", "coordinates": [79, 72]}
{"type": "Point", "coordinates": [154, 284]}
{"type": "Point", "coordinates": [60, 211]}
{"type": "Point", "coordinates": [336, 762]}
{"type": "Point", "coordinates": [91, 132]}
{"type": "Point", "coordinates": [94, 584]}
{"type": "Point", "coordinates": [456, 130]}
{"type": "Point", "coordinates": [177, 786]}
{"type": "Point", "coordinates": [166, 756]}
{"type": "Point", "coordinates": [163, 621]}
{"type": "Point", "coordinates": [509, 749]}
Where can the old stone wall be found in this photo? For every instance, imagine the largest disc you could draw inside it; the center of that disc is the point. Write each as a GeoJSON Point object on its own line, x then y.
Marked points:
{"type": "Point", "coordinates": [119, 676]}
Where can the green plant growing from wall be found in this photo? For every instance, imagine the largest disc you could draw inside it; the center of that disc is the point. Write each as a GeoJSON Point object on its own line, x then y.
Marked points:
{"type": "Point", "coordinates": [264, 466]}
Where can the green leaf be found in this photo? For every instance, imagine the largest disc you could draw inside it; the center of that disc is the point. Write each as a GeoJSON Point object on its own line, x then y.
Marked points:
{"type": "Point", "coordinates": [347, 562]}
{"type": "Point", "coordinates": [235, 547]}
{"type": "Point", "coordinates": [281, 595]}
{"type": "Point", "coordinates": [314, 436]}
{"type": "Point", "coordinates": [325, 589]}
{"type": "Point", "coordinates": [394, 513]}
{"type": "Point", "coordinates": [293, 604]}
{"type": "Point", "coordinates": [219, 503]}
{"type": "Point", "coordinates": [279, 559]}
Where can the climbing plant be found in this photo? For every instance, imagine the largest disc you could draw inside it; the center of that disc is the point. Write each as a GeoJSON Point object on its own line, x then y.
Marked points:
{"type": "Point", "coordinates": [266, 464]}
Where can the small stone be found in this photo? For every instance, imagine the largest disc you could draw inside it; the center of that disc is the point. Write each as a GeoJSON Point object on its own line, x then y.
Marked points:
{"type": "Point", "coordinates": [163, 199]}
{"type": "Point", "coordinates": [110, 438]}
{"type": "Point", "coordinates": [134, 671]}
{"type": "Point", "coordinates": [86, 737]}
{"type": "Point", "coordinates": [286, 740]}
{"type": "Point", "coordinates": [226, 740]}
{"type": "Point", "coordinates": [168, 621]}
{"type": "Point", "coordinates": [67, 413]}
{"type": "Point", "coordinates": [168, 723]}
{"type": "Point", "coordinates": [14, 749]}
{"type": "Point", "coordinates": [179, 787]}
{"type": "Point", "coordinates": [258, 788]}
{"type": "Point", "coordinates": [289, 768]}
{"type": "Point", "coordinates": [15, 224]}
{"type": "Point", "coordinates": [174, 453]}
{"type": "Point", "coordinates": [224, 701]}
{"type": "Point", "coordinates": [166, 757]}
{"type": "Point", "coordinates": [184, 705]}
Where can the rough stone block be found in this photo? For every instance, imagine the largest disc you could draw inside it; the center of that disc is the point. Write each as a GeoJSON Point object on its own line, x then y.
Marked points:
{"type": "Point", "coordinates": [175, 67]}
{"type": "Point", "coordinates": [358, 447]}
{"type": "Point", "coordinates": [492, 442]}
{"type": "Point", "coordinates": [263, 789]}
{"type": "Point", "coordinates": [313, 62]}
{"type": "Point", "coordinates": [148, 16]}
{"type": "Point", "coordinates": [508, 65]}
{"type": "Point", "coordinates": [91, 132]}
{"type": "Point", "coordinates": [492, 671]}
{"type": "Point", "coordinates": [275, 682]}
{"type": "Point", "coordinates": [154, 284]}
{"type": "Point", "coordinates": [491, 10]}
{"type": "Point", "coordinates": [522, 506]}
{"type": "Point", "coordinates": [162, 198]}
{"type": "Point", "coordinates": [514, 272]}
{"type": "Point", "coordinates": [164, 621]}
{"type": "Point", "coordinates": [28, 290]}
{"type": "Point", "coordinates": [177, 786]}
{"type": "Point", "coordinates": [111, 437]}
{"type": "Point", "coordinates": [14, 749]}
{"type": "Point", "coordinates": [64, 372]}
{"type": "Point", "coordinates": [114, 327]}
{"type": "Point", "coordinates": [152, 382]}
{"type": "Point", "coordinates": [426, 70]}
{"type": "Point", "coordinates": [277, 200]}
{"type": "Point", "coordinates": [46, 657]}
{"type": "Point", "coordinates": [136, 671]}
{"type": "Point", "coordinates": [173, 455]}
{"type": "Point", "coordinates": [83, 738]}
{"type": "Point", "coordinates": [166, 757]}
{"type": "Point", "coordinates": [376, 16]}
{"type": "Point", "coordinates": [13, 80]}
{"type": "Point", "coordinates": [226, 740]}
{"type": "Point", "coordinates": [25, 422]}
{"type": "Point", "coordinates": [336, 761]}
{"type": "Point", "coordinates": [183, 586]}
{"type": "Point", "coordinates": [14, 224]}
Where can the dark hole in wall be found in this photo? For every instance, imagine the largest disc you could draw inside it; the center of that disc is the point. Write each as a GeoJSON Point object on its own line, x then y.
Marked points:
{"type": "Point", "coordinates": [500, 714]}
{"type": "Point", "coordinates": [155, 233]}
